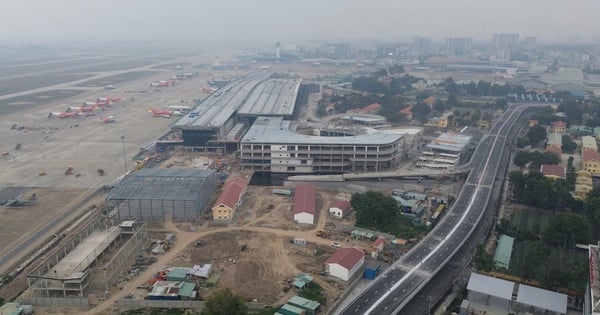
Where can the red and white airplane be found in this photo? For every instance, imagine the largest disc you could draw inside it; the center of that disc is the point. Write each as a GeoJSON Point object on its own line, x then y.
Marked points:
{"type": "Point", "coordinates": [162, 83]}
{"type": "Point", "coordinates": [64, 114]}
{"type": "Point", "coordinates": [208, 90]}
{"type": "Point", "coordinates": [107, 120]}
{"type": "Point", "coordinates": [108, 100]}
{"type": "Point", "coordinates": [83, 109]}
{"type": "Point", "coordinates": [160, 112]}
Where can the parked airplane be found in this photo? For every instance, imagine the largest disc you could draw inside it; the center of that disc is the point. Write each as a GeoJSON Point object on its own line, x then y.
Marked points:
{"type": "Point", "coordinates": [160, 113]}
{"type": "Point", "coordinates": [83, 109]}
{"type": "Point", "coordinates": [162, 83]}
{"type": "Point", "coordinates": [64, 114]}
{"type": "Point", "coordinates": [179, 107]}
{"type": "Point", "coordinates": [110, 99]}
{"type": "Point", "coordinates": [109, 119]}
{"type": "Point", "coordinates": [208, 90]}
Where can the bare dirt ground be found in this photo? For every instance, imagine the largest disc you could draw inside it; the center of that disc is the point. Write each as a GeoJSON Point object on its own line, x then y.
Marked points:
{"type": "Point", "coordinates": [270, 258]}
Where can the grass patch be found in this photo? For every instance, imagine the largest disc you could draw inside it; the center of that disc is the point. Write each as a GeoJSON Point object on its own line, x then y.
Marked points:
{"type": "Point", "coordinates": [313, 292]}
{"type": "Point", "coordinates": [403, 227]}
{"type": "Point", "coordinates": [116, 79]}
{"type": "Point", "coordinates": [567, 269]}
{"type": "Point", "coordinates": [533, 221]}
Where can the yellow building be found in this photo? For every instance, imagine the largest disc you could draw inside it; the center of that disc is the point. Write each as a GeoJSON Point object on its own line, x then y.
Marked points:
{"type": "Point", "coordinates": [588, 143]}
{"type": "Point", "coordinates": [229, 199]}
{"type": "Point", "coordinates": [591, 162]}
{"type": "Point", "coordinates": [583, 184]}
{"type": "Point", "coordinates": [559, 126]}
{"type": "Point", "coordinates": [483, 124]}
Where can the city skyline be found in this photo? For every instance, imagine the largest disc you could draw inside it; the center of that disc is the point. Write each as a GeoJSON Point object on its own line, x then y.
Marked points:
{"type": "Point", "coordinates": [271, 20]}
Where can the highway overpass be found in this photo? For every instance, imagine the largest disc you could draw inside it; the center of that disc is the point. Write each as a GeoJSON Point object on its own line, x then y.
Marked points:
{"type": "Point", "coordinates": [391, 291]}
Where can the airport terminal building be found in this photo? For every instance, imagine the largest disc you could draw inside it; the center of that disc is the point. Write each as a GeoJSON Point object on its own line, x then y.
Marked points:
{"type": "Point", "coordinates": [271, 145]}
{"type": "Point", "coordinates": [218, 122]}
{"type": "Point", "coordinates": [254, 116]}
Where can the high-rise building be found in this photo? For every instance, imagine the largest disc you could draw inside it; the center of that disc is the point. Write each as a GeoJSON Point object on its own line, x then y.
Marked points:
{"type": "Point", "coordinates": [505, 41]}
{"type": "Point", "coordinates": [421, 46]}
{"type": "Point", "coordinates": [458, 46]}
{"type": "Point", "coordinates": [529, 43]}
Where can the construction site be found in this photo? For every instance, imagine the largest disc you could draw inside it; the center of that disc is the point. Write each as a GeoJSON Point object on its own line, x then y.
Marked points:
{"type": "Point", "coordinates": [84, 229]}
{"type": "Point", "coordinates": [92, 260]}
{"type": "Point", "coordinates": [155, 194]}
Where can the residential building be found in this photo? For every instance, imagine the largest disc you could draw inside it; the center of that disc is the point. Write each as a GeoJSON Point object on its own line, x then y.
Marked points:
{"type": "Point", "coordinates": [554, 149]}
{"type": "Point", "coordinates": [407, 112]}
{"type": "Point", "coordinates": [442, 121]}
{"type": "Point", "coordinates": [340, 208]}
{"type": "Point", "coordinates": [588, 143]}
{"type": "Point", "coordinates": [483, 124]}
{"type": "Point", "coordinates": [377, 247]}
{"type": "Point", "coordinates": [553, 171]}
{"type": "Point", "coordinates": [591, 305]}
{"type": "Point", "coordinates": [458, 46]}
{"type": "Point", "coordinates": [304, 207]}
{"type": "Point", "coordinates": [508, 41]}
{"type": "Point", "coordinates": [345, 263]}
{"type": "Point", "coordinates": [554, 139]}
{"type": "Point", "coordinates": [583, 184]}
{"type": "Point", "coordinates": [530, 44]}
{"type": "Point", "coordinates": [580, 130]}
{"type": "Point", "coordinates": [559, 126]}
{"type": "Point", "coordinates": [591, 162]}
{"type": "Point", "coordinates": [229, 199]}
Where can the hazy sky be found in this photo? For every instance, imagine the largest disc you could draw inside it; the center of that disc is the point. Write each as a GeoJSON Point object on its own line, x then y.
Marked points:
{"type": "Point", "coordinates": [297, 20]}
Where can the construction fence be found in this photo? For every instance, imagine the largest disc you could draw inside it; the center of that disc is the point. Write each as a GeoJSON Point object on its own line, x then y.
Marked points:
{"type": "Point", "coordinates": [57, 302]}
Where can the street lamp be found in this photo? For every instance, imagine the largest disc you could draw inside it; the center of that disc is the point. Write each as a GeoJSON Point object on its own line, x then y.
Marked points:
{"type": "Point", "coordinates": [124, 156]}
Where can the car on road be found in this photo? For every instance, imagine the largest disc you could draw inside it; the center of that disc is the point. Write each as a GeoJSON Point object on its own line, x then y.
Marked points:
{"type": "Point", "coordinates": [336, 245]}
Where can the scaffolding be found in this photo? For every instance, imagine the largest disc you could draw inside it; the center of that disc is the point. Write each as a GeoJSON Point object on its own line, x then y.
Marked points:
{"type": "Point", "coordinates": [70, 271]}
{"type": "Point", "coordinates": [151, 195]}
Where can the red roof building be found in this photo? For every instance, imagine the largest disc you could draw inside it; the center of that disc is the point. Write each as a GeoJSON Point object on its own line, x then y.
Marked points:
{"type": "Point", "coordinates": [559, 126]}
{"type": "Point", "coordinates": [407, 112]}
{"type": "Point", "coordinates": [591, 162]}
{"type": "Point", "coordinates": [554, 149]}
{"type": "Point", "coordinates": [372, 108]}
{"type": "Point", "coordinates": [553, 171]}
{"type": "Point", "coordinates": [229, 199]}
{"type": "Point", "coordinates": [304, 207]}
{"type": "Point", "coordinates": [344, 263]}
{"type": "Point", "coordinates": [340, 208]}
{"type": "Point", "coordinates": [429, 101]}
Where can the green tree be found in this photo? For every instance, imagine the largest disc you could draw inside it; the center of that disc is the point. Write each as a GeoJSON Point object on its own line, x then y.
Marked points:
{"type": "Point", "coordinates": [568, 145]}
{"type": "Point", "coordinates": [566, 229]}
{"type": "Point", "coordinates": [452, 101]}
{"type": "Point", "coordinates": [536, 134]}
{"type": "Point", "coordinates": [592, 211]}
{"type": "Point", "coordinates": [483, 260]}
{"type": "Point", "coordinates": [224, 302]}
{"type": "Point", "coordinates": [420, 112]}
{"type": "Point", "coordinates": [374, 209]}
{"type": "Point", "coordinates": [521, 158]}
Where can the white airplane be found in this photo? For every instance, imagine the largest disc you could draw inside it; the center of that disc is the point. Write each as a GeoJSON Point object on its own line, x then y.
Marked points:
{"type": "Point", "coordinates": [179, 107]}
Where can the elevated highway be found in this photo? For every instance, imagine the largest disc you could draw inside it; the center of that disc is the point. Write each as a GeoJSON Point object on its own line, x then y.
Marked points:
{"type": "Point", "coordinates": [407, 276]}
